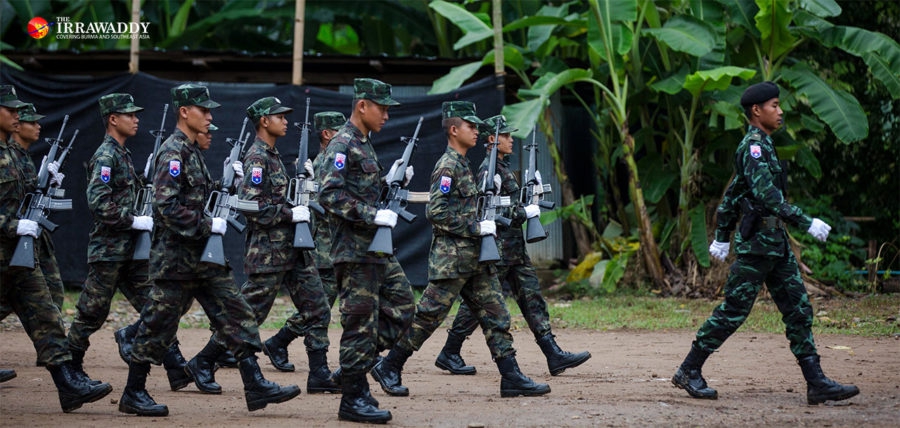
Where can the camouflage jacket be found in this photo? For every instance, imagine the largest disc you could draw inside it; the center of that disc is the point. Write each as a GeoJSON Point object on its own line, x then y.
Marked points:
{"type": "Point", "coordinates": [349, 190]}
{"type": "Point", "coordinates": [181, 187]}
{"type": "Point", "coordinates": [269, 245]}
{"type": "Point", "coordinates": [451, 209]}
{"type": "Point", "coordinates": [321, 225]}
{"type": "Point", "coordinates": [26, 164]}
{"type": "Point", "coordinates": [112, 186]}
{"type": "Point", "coordinates": [757, 172]}
{"type": "Point", "coordinates": [510, 239]}
{"type": "Point", "coordinates": [12, 191]}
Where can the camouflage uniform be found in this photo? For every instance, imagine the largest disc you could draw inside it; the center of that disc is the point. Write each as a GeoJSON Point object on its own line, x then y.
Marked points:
{"type": "Point", "coordinates": [322, 229]}
{"type": "Point", "coordinates": [112, 188]}
{"type": "Point", "coordinates": [764, 255]}
{"type": "Point", "coordinates": [376, 299]}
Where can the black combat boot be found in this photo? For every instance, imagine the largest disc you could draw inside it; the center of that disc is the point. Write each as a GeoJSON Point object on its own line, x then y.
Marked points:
{"type": "Point", "coordinates": [6, 375]}
{"type": "Point", "coordinates": [135, 398]}
{"type": "Point", "coordinates": [689, 378]}
{"type": "Point", "coordinates": [276, 349]}
{"type": "Point", "coordinates": [226, 360]}
{"type": "Point", "coordinates": [174, 363]}
{"type": "Point", "coordinates": [320, 378]}
{"type": "Point", "coordinates": [557, 359]}
{"type": "Point", "coordinates": [125, 339]}
{"type": "Point", "coordinates": [513, 383]}
{"type": "Point", "coordinates": [73, 390]}
{"type": "Point", "coordinates": [202, 368]}
{"type": "Point", "coordinates": [336, 376]}
{"type": "Point", "coordinates": [819, 388]}
{"type": "Point", "coordinates": [388, 372]}
{"type": "Point", "coordinates": [260, 392]}
{"type": "Point", "coordinates": [78, 366]}
{"type": "Point", "coordinates": [356, 405]}
{"type": "Point", "coordinates": [449, 358]}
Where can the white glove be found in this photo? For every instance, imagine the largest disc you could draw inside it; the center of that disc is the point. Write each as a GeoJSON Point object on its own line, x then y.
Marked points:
{"type": "Point", "coordinates": [819, 229]}
{"type": "Point", "coordinates": [308, 166]}
{"type": "Point", "coordinates": [537, 176]}
{"type": "Point", "coordinates": [56, 177]}
{"type": "Point", "coordinates": [28, 227]}
{"type": "Point", "coordinates": [497, 182]}
{"type": "Point", "coordinates": [238, 167]}
{"type": "Point", "coordinates": [407, 176]}
{"type": "Point", "coordinates": [719, 250]}
{"type": "Point", "coordinates": [142, 222]}
{"type": "Point", "coordinates": [219, 226]}
{"type": "Point", "coordinates": [393, 170]}
{"type": "Point", "coordinates": [487, 227]}
{"type": "Point", "coordinates": [532, 210]}
{"type": "Point", "coordinates": [385, 218]}
{"type": "Point", "coordinates": [300, 213]}
{"type": "Point", "coordinates": [147, 166]}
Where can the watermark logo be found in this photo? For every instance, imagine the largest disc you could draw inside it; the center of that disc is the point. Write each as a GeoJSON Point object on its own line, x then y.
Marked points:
{"type": "Point", "coordinates": [38, 27]}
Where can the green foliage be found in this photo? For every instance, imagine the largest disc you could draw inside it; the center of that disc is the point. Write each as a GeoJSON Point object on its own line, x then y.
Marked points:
{"type": "Point", "coordinates": [836, 260]}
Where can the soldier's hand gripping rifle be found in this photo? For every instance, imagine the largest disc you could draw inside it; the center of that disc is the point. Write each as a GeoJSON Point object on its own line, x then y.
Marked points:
{"type": "Point", "coordinates": [37, 204]}
{"type": "Point", "coordinates": [490, 202]}
{"type": "Point", "coordinates": [394, 197]}
{"type": "Point", "coordinates": [226, 206]}
{"type": "Point", "coordinates": [303, 188]}
{"type": "Point", "coordinates": [143, 203]}
{"type": "Point", "coordinates": [533, 193]}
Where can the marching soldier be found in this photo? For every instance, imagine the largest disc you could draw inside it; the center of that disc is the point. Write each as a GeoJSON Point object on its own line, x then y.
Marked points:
{"type": "Point", "coordinates": [182, 185]}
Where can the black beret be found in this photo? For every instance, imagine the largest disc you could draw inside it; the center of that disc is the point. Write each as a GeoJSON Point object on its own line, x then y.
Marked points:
{"type": "Point", "coordinates": [759, 93]}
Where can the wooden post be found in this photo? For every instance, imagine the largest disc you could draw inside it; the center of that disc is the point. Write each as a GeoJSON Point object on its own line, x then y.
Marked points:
{"type": "Point", "coordinates": [133, 66]}
{"type": "Point", "coordinates": [497, 18]}
{"type": "Point", "coordinates": [299, 12]}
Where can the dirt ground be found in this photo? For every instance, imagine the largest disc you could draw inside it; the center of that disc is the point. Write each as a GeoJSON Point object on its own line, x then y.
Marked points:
{"type": "Point", "coordinates": [626, 383]}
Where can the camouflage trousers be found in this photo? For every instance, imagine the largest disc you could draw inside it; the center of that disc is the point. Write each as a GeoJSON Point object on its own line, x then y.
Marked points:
{"type": "Point", "coordinates": [526, 287]}
{"type": "Point", "coordinates": [782, 277]}
{"type": "Point", "coordinates": [329, 284]}
{"type": "Point", "coordinates": [302, 283]}
{"type": "Point", "coordinates": [228, 313]}
{"type": "Point", "coordinates": [377, 305]}
{"type": "Point", "coordinates": [26, 292]}
{"type": "Point", "coordinates": [104, 278]}
{"type": "Point", "coordinates": [50, 270]}
{"type": "Point", "coordinates": [481, 292]}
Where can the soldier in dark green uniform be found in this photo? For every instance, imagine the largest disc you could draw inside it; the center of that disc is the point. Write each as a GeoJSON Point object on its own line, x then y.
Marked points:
{"type": "Point", "coordinates": [24, 289]}
{"type": "Point", "coordinates": [757, 196]}
{"type": "Point", "coordinates": [376, 299]}
{"type": "Point", "coordinates": [326, 124]}
{"type": "Point", "coordinates": [182, 185]}
{"type": "Point", "coordinates": [270, 259]}
{"type": "Point", "coordinates": [453, 266]}
{"type": "Point", "coordinates": [514, 267]}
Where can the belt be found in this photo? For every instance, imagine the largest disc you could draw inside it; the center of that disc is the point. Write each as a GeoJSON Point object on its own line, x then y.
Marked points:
{"type": "Point", "coordinates": [770, 222]}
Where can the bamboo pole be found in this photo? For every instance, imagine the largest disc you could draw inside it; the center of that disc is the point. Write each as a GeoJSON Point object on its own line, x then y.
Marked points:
{"type": "Point", "coordinates": [134, 58]}
{"type": "Point", "coordinates": [299, 15]}
{"type": "Point", "coordinates": [497, 18]}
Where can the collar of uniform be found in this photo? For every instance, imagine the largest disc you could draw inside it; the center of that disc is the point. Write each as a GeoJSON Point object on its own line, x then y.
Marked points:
{"type": "Point", "coordinates": [504, 161]}
{"type": "Point", "coordinates": [754, 130]}
{"type": "Point", "coordinates": [459, 157]}
{"type": "Point", "coordinates": [119, 147]}
{"type": "Point", "coordinates": [357, 134]}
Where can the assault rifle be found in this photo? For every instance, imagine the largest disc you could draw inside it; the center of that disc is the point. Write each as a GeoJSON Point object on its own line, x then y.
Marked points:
{"type": "Point", "coordinates": [533, 193]}
{"type": "Point", "coordinates": [225, 205]}
{"type": "Point", "coordinates": [490, 202]}
{"type": "Point", "coordinates": [143, 202]}
{"type": "Point", "coordinates": [301, 189]}
{"type": "Point", "coordinates": [37, 204]}
{"type": "Point", "coordinates": [394, 197]}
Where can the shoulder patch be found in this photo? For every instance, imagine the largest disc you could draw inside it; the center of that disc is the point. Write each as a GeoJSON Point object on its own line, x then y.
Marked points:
{"type": "Point", "coordinates": [105, 173]}
{"type": "Point", "coordinates": [174, 168]}
{"type": "Point", "coordinates": [445, 184]}
{"type": "Point", "coordinates": [256, 174]}
{"type": "Point", "coordinates": [340, 160]}
{"type": "Point", "coordinates": [755, 151]}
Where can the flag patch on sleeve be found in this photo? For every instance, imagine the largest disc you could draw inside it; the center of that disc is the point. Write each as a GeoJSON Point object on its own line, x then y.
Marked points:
{"type": "Point", "coordinates": [256, 174]}
{"type": "Point", "coordinates": [755, 151]}
{"type": "Point", "coordinates": [445, 184]}
{"type": "Point", "coordinates": [105, 173]}
{"type": "Point", "coordinates": [174, 168]}
{"type": "Point", "coordinates": [340, 160]}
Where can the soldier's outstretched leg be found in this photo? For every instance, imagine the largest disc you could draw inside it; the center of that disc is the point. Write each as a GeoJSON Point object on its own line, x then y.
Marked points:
{"type": "Point", "coordinates": [689, 378]}
{"type": "Point", "coordinates": [557, 359]}
{"type": "Point", "coordinates": [260, 392]}
{"type": "Point", "coordinates": [276, 349]}
{"type": "Point", "coordinates": [819, 388]}
{"type": "Point", "coordinates": [125, 339]}
{"type": "Point", "coordinates": [449, 359]}
{"type": "Point", "coordinates": [513, 383]}
{"type": "Point", "coordinates": [175, 364]}
{"type": "Point", "coordinates": [320, 379]}
{"type": "Point", "coordinates": [77, 365]}
{"type": "Point", "coordinates": [202, 368]}
{"type": "Point", "coordinates": [388, 372]}
{"type": "Point", "coordinates": [73, 390]}
{"type": "Point", "coordinates": [357, 402]}
{"type": "Point", "coordinates": [135, 398]}
{"type": "Point", "coordinates": [6, 375]}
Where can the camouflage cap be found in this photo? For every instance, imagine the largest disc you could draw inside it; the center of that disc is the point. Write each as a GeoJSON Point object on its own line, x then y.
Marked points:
{"type": "Point", "coordinates": [373, 90]}
{"type": "Point", "coordinates": [190, 94]}
{"type": "Point", "coordinates": [8, 97]}
{"type": "Point", "coordinates": [212, 128]}
{"type": "Point", "coordinates": [264, 107]}
{"type": "Point", "coordinates": [118, 103]}
{"type": "Point", "coordinates": [461, 109]}
{"type": "Point", "coordinates": [490, 125]}
{"type": "Point", "coordinates": [27, 113]}
{"type": "Point", "coordinates": [329, 120]}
